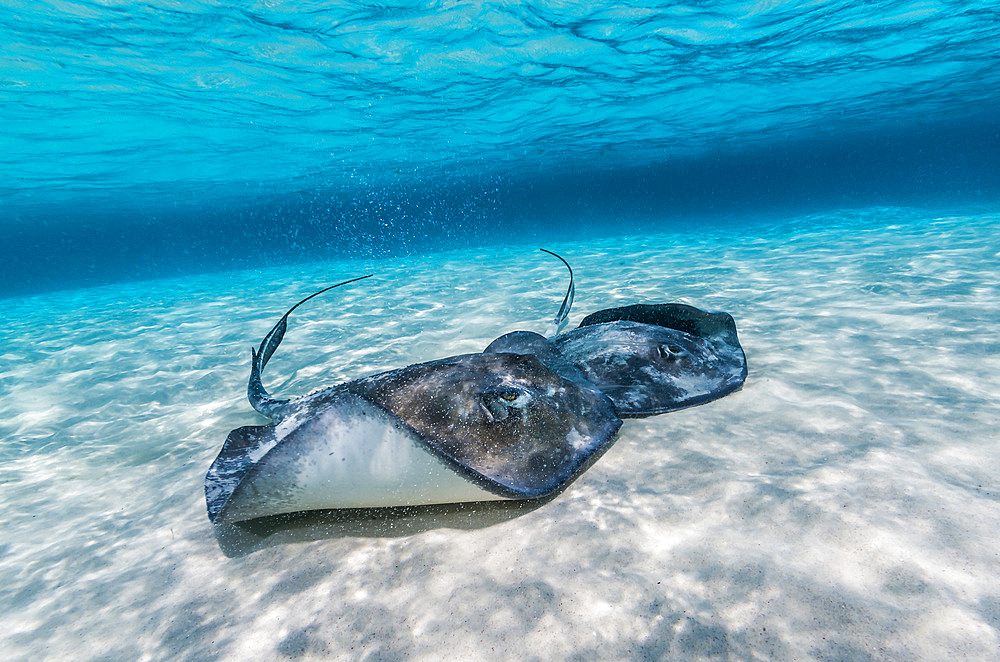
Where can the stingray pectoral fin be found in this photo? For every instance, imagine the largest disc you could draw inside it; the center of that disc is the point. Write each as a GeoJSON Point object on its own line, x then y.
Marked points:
{"type": "Point", "coordinates": [243, 448]}
{"type": "Point", "coordinates": [679, 316]}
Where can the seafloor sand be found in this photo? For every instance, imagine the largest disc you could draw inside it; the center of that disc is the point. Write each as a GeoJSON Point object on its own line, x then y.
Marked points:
{"type": "Point", "coordinates": [844, 505]}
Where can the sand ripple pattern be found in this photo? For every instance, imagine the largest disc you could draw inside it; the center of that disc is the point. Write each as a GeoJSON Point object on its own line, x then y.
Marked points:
{"type": "Point", "coordinates": [843, 505]}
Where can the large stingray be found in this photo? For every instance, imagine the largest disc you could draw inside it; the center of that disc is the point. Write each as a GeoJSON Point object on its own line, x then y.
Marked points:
{"type": "Point", "coordinates": [498, 425]}
{"type": "Point", "coordinates": [648, 358]}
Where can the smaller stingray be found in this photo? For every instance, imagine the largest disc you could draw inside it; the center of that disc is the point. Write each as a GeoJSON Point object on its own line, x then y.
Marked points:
{"type": "Point", "coordinates": [647, 358]}
{"type": "Point", "coordinates": [655, 358]}
{"type": "Point", "coordinates": [473, 427]}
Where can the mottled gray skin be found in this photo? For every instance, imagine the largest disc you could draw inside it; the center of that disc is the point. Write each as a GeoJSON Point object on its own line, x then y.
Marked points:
{"type": "Point", "coordinates": [652, 359]}
{"type": "Point", "coordinates": [505, 420]}
{"type": "Point", "coordinates": [529, 342]}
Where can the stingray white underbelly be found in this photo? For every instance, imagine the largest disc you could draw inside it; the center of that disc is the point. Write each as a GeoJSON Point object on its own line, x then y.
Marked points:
{"type": "Point", "coordinates": [350, 455]}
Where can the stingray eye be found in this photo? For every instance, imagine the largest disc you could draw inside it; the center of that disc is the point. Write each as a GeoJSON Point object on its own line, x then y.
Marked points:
{"type": "Point", "coordinates": [506, 393]}
{"type": "Point", "coordinates": [498, 402]}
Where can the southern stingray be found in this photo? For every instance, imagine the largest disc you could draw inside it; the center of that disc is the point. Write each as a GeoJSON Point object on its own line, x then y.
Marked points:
{"type": "Point", "coordinates": [518, 421]}
{"type": "Point", "coordinates": [647, 358]}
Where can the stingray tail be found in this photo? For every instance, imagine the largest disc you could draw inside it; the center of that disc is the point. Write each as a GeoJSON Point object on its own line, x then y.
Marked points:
{"type": "Point", "coordinates": [560, 319]}
{"type": "Point", "coordinates": [258, 396]}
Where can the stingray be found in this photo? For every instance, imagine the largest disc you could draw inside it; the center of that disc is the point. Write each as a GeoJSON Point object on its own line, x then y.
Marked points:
{"type": "Point", "coordinates": [474, 427]}
{"type": "Point", "coordinates": [647, 358]}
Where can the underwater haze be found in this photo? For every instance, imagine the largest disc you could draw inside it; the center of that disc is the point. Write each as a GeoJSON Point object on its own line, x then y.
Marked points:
{"type": "Point", "coordinates": [175, 174]}
{"type": "Point", "coordinates": [140, 139]}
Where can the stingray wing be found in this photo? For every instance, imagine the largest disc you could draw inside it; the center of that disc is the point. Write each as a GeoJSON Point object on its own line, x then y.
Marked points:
{"type": "Point", "coordinates": [652, 359]}
{"type": "Point", "coordinates": [240, 453]}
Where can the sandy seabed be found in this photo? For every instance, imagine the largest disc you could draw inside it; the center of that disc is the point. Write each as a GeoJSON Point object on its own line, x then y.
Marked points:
{"type": "Point", "coordinates": [844, 505]}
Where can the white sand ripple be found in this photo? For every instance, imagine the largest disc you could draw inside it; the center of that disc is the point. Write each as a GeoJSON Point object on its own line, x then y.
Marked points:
{"type": "Point", "coordinates": [843, 505]}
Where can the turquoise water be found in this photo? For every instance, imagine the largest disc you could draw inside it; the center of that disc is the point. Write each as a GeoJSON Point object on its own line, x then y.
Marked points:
{"type": "Point", "coordinates": [174, 174]}
{"type": "Point", "coordinates": [153, 138]}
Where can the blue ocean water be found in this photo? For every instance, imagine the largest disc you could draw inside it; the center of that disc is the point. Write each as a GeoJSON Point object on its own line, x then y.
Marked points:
{"type": "Point", "coordinates": [174, 174]}
{"type": "Point", "coordinates": [140, 139]}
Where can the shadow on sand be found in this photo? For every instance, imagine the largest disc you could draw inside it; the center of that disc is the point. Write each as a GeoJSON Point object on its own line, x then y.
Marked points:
{"type": "Point", "coordinates": [243, 538]}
